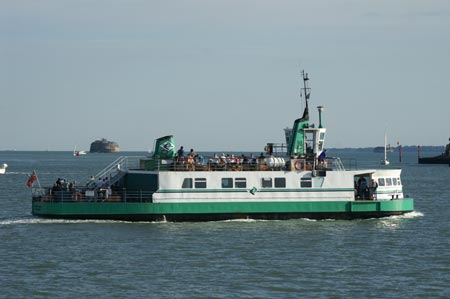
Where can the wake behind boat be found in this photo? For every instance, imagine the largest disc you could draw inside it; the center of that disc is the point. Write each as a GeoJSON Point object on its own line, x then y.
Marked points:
{"type": "Point", "coordinates": [301, 182]}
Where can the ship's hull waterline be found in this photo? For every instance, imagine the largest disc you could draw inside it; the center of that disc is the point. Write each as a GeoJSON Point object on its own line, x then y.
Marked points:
{"type": "Point", "coordinates": [223, 211]}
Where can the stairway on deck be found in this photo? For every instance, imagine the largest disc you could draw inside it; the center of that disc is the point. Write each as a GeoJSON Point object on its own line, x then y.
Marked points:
{"type": "Point", "coordinates": [114, 171]}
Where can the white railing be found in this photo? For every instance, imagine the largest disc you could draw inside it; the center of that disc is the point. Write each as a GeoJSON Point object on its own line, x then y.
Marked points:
{"type": "Point", "coordinates": [120, 165]}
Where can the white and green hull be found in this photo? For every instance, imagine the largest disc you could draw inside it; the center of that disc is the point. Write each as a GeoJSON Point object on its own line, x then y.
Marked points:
{"type": "Point", "coordinates": [330, 197]}
{"type": "Point", "coordinates": [223, 210]}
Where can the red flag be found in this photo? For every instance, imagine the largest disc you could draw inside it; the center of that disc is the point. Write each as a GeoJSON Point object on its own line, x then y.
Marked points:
{"type": "Point", "coordinates": [31, 179]}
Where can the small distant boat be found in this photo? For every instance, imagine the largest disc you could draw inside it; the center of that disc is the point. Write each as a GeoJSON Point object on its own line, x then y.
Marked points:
{"type": "Point", "coordinates": [385, 161]}
{"type": "Point", "coordinates": [3, 168]}
{"type": "Point", "coordinates": [443, 158]}
{"type": "Point", "coordinates": [78, 153]}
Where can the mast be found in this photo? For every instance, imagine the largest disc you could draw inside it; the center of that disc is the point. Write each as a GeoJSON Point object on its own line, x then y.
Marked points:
{"type": "Point", "coordinates": [296, 145]}
{"type": "Point", "coordinates": [306, 91]}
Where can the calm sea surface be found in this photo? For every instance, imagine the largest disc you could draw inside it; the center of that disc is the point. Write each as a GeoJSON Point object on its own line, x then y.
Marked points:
{"type": "Point", "coordinates": [396, 257]}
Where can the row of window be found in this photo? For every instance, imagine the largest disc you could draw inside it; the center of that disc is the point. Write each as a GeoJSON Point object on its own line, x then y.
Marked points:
{"type": "Point", "coordinates": [199, 183]}
{"type": "Point", "coordinates": [389, 181]}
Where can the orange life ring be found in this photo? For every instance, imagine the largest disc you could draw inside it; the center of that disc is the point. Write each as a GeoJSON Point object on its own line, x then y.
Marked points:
{"type": "Point", "coordinates": [299, 165]}
{"type": "Point", "coordinates": [76, 196]}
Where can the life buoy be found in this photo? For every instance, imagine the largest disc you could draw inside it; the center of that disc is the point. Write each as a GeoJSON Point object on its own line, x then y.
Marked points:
{"type": "Point", "coordinates": [299, 165]}
{"type": "Point", "coordinates": [76, 196]}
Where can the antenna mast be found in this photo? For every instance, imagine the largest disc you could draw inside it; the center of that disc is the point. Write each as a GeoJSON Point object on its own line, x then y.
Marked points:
{"type": "Point", "coordinates": [306, 90]}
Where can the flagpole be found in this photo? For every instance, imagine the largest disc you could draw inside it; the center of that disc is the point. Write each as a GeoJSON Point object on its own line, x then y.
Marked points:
{"type": "Point", "coordinates": [37, 178]}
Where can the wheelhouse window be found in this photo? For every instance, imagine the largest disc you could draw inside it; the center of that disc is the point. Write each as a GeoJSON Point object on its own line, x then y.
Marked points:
{"type": "Point", "coordinates": [394, 181]}
{"type": "Point", "coordinates": [187, 183]}
{"type": "Point", "coordinates": [240, 182]}
{"type": "Point", "coordinates": [381, 182]}
{"type": "Point", "coordinates": [305, 183]}
{"type": "Point", "coordinates": [227, 182]}
{"type": "Point", "coordinates": [280, 182]}
{"type": "Point", "coordinates": [266, 182]}
{"type": "Point", "coordinates": [200, 182]}
{"type": "Point", "coordinates": [388, 182]}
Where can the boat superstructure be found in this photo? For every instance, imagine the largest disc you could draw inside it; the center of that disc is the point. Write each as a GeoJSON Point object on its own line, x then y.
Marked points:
{"type": "Point", "coordinates": [296, 180]}
{"type": "Point", "coordinates": [3, 168]}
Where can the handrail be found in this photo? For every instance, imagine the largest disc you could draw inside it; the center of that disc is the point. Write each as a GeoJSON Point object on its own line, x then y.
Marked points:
{"type": "Point", "coordinates": [123, 163]}
{"type": "Point", "coordinates": [338, 163]}
{"type": "Point", "coordinates": [115, 170]}
{"type": "Point", "coordinates": [86, 195]}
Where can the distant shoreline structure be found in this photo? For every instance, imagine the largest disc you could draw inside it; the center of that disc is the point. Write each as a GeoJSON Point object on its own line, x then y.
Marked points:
{"type": "Point", "coordinates": [104, 146]}
{"type": "Point", "coordinates": [443, 158]}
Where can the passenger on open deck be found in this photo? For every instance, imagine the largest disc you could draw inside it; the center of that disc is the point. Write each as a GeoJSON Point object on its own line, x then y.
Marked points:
{"type": "Point", "coordinates": [362, 188]}
{"type": "Point", "coordinates": [214, 161]}
{"type": "Point", "coordinates": [322, 156]}
{"type": "Point", "coordinates": [373, 189]}
{"type": "Point", "coordinates": [261, 159]}
{"type": "Point", "coordinates": [180, 154]}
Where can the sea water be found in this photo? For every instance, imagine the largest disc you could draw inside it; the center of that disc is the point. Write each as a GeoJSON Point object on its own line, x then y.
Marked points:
{"type": "Point", "coordinates": [396, 257]}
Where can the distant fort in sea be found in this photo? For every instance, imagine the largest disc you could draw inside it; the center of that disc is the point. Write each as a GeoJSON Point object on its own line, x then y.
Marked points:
{"type": "Point", "coordinates": [104, 146]}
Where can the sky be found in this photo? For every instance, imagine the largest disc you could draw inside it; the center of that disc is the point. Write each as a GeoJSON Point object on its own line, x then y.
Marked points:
{"type": "Point", "coordinates": [221, 75]}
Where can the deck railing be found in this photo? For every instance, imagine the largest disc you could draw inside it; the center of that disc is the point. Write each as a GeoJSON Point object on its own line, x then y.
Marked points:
{"type": "Point", "coordinates": [86, 195]}
{"type": "Point", "coordinates": [121, 163]}
{"type": "Point", "coordinates": [265, 164]}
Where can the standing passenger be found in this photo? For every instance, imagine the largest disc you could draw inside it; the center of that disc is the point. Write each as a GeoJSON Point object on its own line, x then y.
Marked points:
{"type": "Point", "coordinates": [362, 186]}
{"type": "Point", "coordinates": [180, 154]}
{"type": "Point", "coordinates": [373, 189]}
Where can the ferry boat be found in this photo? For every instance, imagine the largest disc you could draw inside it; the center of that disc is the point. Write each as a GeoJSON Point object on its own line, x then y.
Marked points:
{"type": "Point", "coordinates": [300, 182]}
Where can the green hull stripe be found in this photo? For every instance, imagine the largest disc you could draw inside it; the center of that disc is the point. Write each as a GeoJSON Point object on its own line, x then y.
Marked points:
{"type": "Point", "coordinates": [62, 209]}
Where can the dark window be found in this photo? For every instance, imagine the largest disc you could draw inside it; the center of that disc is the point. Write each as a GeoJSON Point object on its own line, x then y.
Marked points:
{"type": "Point", "coordinates": [227, 183]}
{"type": "Point", "coordinates": [266, 182]}
{"type": "Point", "coordinates": [388, 182]}
{"type": "Point", "coordinates": [240, 182]}
{"type": "Point", "coordinates": [305, 182]}
{"type": "Point", "coordinates": [187, 183]}
{"type": "Point", "coordinates": [322, 136]}
{"type": "Point", "coordinates": [280, 182]}
{"type": "Point", "coordinates": [200, 183]}
{"type": "Point", "coordinates": [381, 182]}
